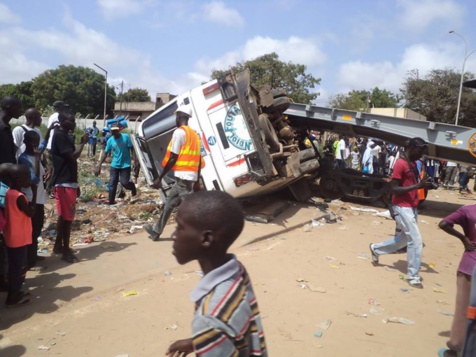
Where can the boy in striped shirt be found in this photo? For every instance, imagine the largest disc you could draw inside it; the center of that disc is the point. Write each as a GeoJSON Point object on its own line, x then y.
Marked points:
{"type": "Point", "coordinates": [226, 320]}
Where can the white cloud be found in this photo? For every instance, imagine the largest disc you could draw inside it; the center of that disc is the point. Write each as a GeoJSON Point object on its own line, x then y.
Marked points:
{"type": "Point", "coordinates": [218, 12]}
{"type": "Point", "coordinates": [8, 17]}
{"type": "Point", "coordinates": [417, 15]}
{"type": "Point", "coordinates": [294, 49]}
{"type": "Point", "coordinates": [357, 75]}
{"type": "Point", "coordinates": [119, 8]}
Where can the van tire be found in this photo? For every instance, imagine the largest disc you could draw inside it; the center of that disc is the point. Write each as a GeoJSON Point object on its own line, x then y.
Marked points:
{"type": "Point", "coordinates": [268, 133]}
{"type": "Point", "coordinates": [278, 92]}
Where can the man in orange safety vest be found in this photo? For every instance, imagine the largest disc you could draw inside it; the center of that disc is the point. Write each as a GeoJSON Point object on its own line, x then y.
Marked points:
{"type": "Point", "coordinates": [182, 157]}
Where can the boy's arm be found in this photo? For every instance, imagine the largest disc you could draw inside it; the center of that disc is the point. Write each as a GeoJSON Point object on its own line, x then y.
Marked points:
{"type": "Point", "coordinates": [183, 347]}
{"type": "Point", "coordinates": [25, 207]}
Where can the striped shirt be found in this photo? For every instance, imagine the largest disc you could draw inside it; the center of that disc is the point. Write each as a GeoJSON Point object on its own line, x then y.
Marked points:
{"type": "Point", "coordinates": [227, 320]}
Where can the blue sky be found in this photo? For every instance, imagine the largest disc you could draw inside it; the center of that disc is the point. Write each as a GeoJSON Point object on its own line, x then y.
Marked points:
{"type": "Point", "coordinates": [172, 46]}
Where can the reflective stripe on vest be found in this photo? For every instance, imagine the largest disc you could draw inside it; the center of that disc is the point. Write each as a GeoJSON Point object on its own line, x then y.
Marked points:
{"type": "Point", "coordinates": [189, 156]}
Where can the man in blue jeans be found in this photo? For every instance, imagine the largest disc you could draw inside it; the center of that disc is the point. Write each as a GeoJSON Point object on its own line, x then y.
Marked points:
{"type": "Point", "coordinates": [120, 145]}
{"type": "Point", "coordinates": [404, 188]}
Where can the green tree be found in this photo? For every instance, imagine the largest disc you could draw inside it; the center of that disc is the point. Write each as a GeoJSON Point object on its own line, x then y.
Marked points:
{"type": "Point", "coordinates": [362, 100]}
{"type": "Point", "coordinates": [436, 96]}
{"type": "Point", "coordinates": [22, 90]}
{"type": "Point", "coordinates": [82, 88]}
{"type": "Point", "coordinates": [135, 95]}
{"type": "Point", "coordinates": [268, 69]}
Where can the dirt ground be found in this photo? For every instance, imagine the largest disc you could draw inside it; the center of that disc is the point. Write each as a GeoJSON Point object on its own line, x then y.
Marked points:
{"type": "Point", "coordinates": [318, 293]}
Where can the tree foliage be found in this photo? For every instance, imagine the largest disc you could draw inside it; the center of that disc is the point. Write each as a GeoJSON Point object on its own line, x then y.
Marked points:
{"type": "Point", "coordinates": [134, 95]}
{"type": "Point", "coordinates": [268, 69]}
{"type": "Point", "coordinates": [82, 88]}
{"type": "Point", "coordinates": [22, 90]}
{"type": "Point", "coordinates": [361, 100]}
{"type": "Point", "coordinates": [436, 96]}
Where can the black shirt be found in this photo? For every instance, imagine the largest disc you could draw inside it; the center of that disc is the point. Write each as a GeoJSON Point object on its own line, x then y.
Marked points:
{"type": "Point", "coordinates": [64, 170]}
{"type": "Point", "coordinates": [7, 146]}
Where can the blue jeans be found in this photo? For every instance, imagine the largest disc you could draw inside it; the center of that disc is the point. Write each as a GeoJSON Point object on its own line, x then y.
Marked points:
{"type": "Point", "coordinates": [406, 234]}
{"type": "Point", "coordinates": [124, 175]}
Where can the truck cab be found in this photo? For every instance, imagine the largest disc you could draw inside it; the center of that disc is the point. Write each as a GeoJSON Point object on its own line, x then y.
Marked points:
{"type": "Point", "coordinates": [247, 147]}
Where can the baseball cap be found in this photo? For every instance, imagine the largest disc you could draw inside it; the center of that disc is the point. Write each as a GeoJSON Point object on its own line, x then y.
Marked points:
{"type": "Point", "coordinates": [60, 104]}
{"type": "Point", "coordinates": [417, 142]}
{"type": "Point", "coordinates": [115, 127]}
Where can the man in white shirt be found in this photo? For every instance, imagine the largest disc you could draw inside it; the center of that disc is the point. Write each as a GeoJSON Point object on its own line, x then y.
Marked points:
{"type": "Point", "coordinates": [340, 153]}
{"type": "Point", "coordinates": [33, 121]}
{"type": "Point", "coordinates": [58, 106]}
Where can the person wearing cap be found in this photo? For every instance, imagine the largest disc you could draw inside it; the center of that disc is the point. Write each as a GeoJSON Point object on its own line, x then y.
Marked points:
{"type": "Point", "coordinates": [182, 157]}
{"type": "Point", "coordinates": [120, 145]}
{"type": "Point", "coordinates": [404, 188]}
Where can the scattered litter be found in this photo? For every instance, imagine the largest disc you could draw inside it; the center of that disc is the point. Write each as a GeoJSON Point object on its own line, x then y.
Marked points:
{"type": "Point", "coordinates": [438, 290]}
{"type": "Point", "coordinates": [318, 334]}
{"type": "Point", "coordinates": [172, 327]}
{"type": "Point", "coordinates": [312, 288]}
{"type": "Point", "coordinates": [167, 273]}
{"type": "Point", "coordinates": [61, 333]}
{"type": "Point", "coordinates": [79, 244]}
{"type": "Point", "coordinates": [43, 348]}
{"type": "Point", "coordinates": [402, 277]}
{"type": "Point", "coordinates": [324, 325]}
{"type": "Point", "coordinates": [376, 310]}
{"type": "Point", "coordinates": [445, 313]}
{"type": "Point", "coordinates": [442, 302]}
{"type": "Point", "coordinates": [123, 355]}
{"type": "Point", "coordinates": [129, 293]}
{"type": "Point", "coordinates": [432, 265]}
{"type": "Point", "coordinates": [369, 333]}
{"type": "Point", "coordinates": [283, 238]}
{"type": "Point", "coordinates": [403, 290]}
{"type": "Point", "coordinates": [356, 315]}
{"type": "Point", "coordinates": [374, 302]}
{"type": "Point", "coordinates": [307, 228]}
{"type": "Point", "coordinates": [134, 228]}
{"type": "Point", "coordinates": [387, 268]}
{"type": "Point", "coordinates": [301, 280]}
{"type": "Point", "coordinates": [199, 272]}
{"type": "Point", "coordinates": [398, 320]}
{"type": "Point", "coordinates": [315, 223]}
{"type": "Point", "coordinates": [333, 266]}
{"type": "Point", "coordinates": [369, 210]}
{"type": "Point", "coordinates": [423, 221]}
{"type": "Point", "coordinates": [363, 256]}
{"type": "Point", "coordinates": [330, 259]}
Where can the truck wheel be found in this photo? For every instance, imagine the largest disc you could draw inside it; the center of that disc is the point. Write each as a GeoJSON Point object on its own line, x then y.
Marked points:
{"type": "Point", "coordinates": [268, 132]}
{"type": "Point", "coordinates": [279, 105]}
{"type": "Point", "coordinates": [278, 92]}
{"type": "Point", "coordinates": [329, 188]}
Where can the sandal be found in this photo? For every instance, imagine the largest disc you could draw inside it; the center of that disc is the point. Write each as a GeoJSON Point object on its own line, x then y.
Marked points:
{"type": "Point", "coordinates": [374, 256]}
{"type": "Point", "coordinates": [415, 283]}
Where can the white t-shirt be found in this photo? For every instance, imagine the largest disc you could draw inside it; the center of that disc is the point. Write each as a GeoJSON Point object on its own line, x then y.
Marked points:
{"type": "Point", "coordinates": [340, 147]}
{"type": "Point", "coordinates": [376, 151]}
{"type": "Point", "coordinates": [52, 119]}
{"type": "Point", "coordinates": [178, 140]}
{"type": "Point", "coordinates": [18, 135]}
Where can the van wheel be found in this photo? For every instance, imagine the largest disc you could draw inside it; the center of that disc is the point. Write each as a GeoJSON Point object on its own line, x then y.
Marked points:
{"type": "Point", "coordinates": [268, 133]}
{"type": "Point", "coordinates": [279, 105]}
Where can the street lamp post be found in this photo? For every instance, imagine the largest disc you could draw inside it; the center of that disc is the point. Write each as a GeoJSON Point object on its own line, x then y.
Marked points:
{"type": "Point", "coordinates": [466, 56]}
{"type": "Point", "coordinates": [105, 93]}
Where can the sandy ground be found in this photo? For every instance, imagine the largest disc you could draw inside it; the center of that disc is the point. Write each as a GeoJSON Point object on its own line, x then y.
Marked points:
{"type": "Point", "coordinates": [307, 282]}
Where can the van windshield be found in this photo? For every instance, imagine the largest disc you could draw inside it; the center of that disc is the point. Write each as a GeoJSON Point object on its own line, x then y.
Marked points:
{"type": "Point", "coordinates": [160, 122]}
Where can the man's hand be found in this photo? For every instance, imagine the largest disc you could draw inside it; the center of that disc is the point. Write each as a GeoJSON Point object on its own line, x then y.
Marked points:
{"type": "Point", "coordinates": [157, 183]}
{"type": "Point", "coordinates": [426, 183]}
{"type": "Point", "coordinates": [97, 170]}
{"type": "Point", "coordinates": [469, 246]}
{"type": "Point", "coordinates": [180, 348]}
{"type": "Point", "coordinates": [84, 139]}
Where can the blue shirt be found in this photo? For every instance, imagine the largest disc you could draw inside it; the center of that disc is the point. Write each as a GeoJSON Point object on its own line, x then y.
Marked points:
{"type": "Point", "coordinates": [121, 151]}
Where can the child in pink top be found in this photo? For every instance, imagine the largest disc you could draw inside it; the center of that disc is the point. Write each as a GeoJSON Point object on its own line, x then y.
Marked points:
{"type": "Point", "coordinates": [17, 234]}
{"type": "Point", "coordinates": [466, 218]}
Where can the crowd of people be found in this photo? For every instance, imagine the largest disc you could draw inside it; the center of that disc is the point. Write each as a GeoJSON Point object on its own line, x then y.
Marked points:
{"type": "Point", "coordinates": [224, 298]}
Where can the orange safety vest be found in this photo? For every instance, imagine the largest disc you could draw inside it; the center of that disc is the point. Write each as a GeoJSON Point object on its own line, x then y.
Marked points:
{"type": "Point", "coordinates": [189, 156]}
{"type": "Point", "coordinates": [421, 191]}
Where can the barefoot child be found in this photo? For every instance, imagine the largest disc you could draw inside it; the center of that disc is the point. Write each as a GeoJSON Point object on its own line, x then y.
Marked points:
{"type": "Point", "coordinates": [227, 320]}
{"type": "Point", "coordinates": [465, 217]}
{"type": "Point", "coordinates": [17, 234]}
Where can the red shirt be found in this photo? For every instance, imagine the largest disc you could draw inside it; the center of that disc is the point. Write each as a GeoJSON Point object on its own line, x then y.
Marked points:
{"type": "Point", "coordinates": [403, 172]}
